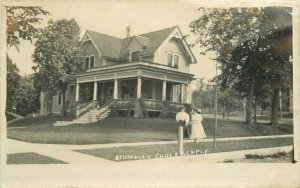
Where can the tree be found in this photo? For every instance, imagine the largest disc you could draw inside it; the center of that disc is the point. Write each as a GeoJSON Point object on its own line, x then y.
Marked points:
{"type": "Point", "coordinates": [238, 36]}
{"type": "Point", "coordinates": [203, 96]}
{"type": "Point", "coordinates": [27, 100]}
{"type": "Point", "coordinates": [56, 52]}
{"type": "Point", "coordinates": [13, 83]}
{"type": "Point", "coordinates": [229, 100]}
{"type": "Point", "coordinates": [21, 23]}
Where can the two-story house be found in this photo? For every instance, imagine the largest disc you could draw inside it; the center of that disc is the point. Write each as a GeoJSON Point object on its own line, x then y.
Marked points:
{"type": "Point", "coordinates": [137, 75]}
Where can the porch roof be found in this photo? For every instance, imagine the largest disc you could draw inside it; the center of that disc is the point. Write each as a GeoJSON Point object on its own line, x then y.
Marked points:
{"type": "Point", "coordinates": [134, 69]}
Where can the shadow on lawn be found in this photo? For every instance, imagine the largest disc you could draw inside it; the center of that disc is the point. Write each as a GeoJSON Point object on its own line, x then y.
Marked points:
{"type": "Point", "coordinates": [125, 130]}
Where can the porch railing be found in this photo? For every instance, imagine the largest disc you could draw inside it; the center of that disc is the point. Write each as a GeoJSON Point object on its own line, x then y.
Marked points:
{"type": "Point", "coordinates": [104, 108]}
{"type": "Point", "coordinates": [83, 108]}
{"type": "Point", "coordinates": [124, 104]}
{"type": "Point", "coordinates": [153, 105]}
{"type": "Point", "coordinates": [173, 107]}
{"type": "Point", "coordinates": [148, 105]}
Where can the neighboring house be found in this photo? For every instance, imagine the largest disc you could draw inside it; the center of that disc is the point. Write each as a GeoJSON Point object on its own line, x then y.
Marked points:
{"type": "Point", "coordinates": [147, 74]}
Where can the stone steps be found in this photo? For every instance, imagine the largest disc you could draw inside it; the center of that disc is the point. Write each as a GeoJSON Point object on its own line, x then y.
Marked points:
{"type": "Point", "coordinates": [89, 117]}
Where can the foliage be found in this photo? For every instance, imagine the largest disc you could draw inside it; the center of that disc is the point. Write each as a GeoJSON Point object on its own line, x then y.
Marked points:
{"type": "Point", "coordinates": [28, 97]}
{"type": "Point", "coordinates": [221, 30]}
{"type": "Point", "coordinates": [13, 83]}
{"type": "Point", "coordinates": [22, 23]}
{"type": "Point", "coordinates": [203, 96]}
{"type": "Point", "coordinates": [56, 52]}
{"type": "Point", "coordinates": [244, 40]}
{"type": "Point", "coordinates": [229, 100]}
{"type": "Point", "coordinates": [273, 155]}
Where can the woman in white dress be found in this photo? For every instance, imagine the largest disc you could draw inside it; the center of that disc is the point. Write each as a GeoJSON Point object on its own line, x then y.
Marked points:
{"type": "Point", "coordinates": [197, 131]}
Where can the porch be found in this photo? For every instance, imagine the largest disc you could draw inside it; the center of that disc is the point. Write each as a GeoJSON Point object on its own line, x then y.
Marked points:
{"type": "Point", "coordinates": [135, 88]}
{"type": "Point", "coordinates": [138, 97]}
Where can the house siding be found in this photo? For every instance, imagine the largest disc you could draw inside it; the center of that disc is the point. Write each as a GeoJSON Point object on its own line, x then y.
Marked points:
{"type": "Point", "coordinates": [161, 56]}
{"type": "Point", "coordinates": [56, 108]}
{"type": "Point", "coordinates": [90, 49]}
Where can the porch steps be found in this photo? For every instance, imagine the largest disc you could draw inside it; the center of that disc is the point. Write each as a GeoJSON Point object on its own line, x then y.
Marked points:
{"type": "Point", "coordinates": [91, 116]}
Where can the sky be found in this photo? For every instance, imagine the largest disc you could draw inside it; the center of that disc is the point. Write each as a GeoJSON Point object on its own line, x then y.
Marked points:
{"type": "Point", "coordinates": [112, 17]}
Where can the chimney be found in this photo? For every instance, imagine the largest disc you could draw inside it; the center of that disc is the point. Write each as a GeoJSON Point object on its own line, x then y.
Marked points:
{"type": "Point", "coordinates": [128, 31]}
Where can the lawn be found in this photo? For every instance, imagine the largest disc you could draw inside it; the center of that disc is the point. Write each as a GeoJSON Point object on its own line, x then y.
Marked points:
{"type": "Point", "coordinates": [31, 158]}
{"type": "Point", "coordinates": [126, 153]}
{"type": "Point", "coordinates": [120, 130]}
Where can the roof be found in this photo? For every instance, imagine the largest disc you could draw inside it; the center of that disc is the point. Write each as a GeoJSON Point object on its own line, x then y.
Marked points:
{"type": "Point", "coordinates": [108, 45]}
{"type": "Point", "coordinates": [118, 48]}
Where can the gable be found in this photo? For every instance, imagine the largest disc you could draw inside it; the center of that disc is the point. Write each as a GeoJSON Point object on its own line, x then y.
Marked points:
{"type": "Point", "coordinates": [87, 41]}
{"type": "Point", "coordinates": [177, 36]}
{"type": "Point", "coordinates": [117, 48]}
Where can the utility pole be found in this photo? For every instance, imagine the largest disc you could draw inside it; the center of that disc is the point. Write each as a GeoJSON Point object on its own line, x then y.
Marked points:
{"type": "Point", "coordinates": [280, 102]}
{"type": "Point", "coordinates": [216, 106]}
{"type": "Point", "coordinates": [180, 137]}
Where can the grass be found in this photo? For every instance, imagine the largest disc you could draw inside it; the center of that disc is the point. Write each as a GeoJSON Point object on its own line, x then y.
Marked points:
{"type": "Point", "coordinates": [31, 158]}
{"type": "Point", "coordinates": [121, 130]}
{"type": "Point", "coordinates": [278, 157]}
{"type": "Point", "coordinates": [126, 153]}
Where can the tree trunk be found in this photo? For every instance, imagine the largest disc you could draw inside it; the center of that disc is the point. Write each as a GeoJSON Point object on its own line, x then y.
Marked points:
{"type": "Point", "coordinates": [63, 101]}
{"type": "Point", "coordinates": [223, 111]}
{"type": "Point", "coordinates": [249, 104]}
{"type": "Point", "coordinates": [228, 112]}
{"type": "Point", "coordinates": [254, 111]}
{"type": "Point", "coordinates": [275, 105]}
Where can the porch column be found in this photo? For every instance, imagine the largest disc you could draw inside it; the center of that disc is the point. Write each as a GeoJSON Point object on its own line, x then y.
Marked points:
{"type": "Point", "coordinates": [182, 92]}
{"type": "Point", "coordinates": [164, 90]}
{"type": "Point", "coordinates": [189, 97]}
{"type": "Point", "coordinates": [95, 94]}
{"type": "Point", "coordinates": [102, 91]}
{"type": "Point", "coordinates": [139, 87]}
{"type": "Point", "coordinates": [116, 89]}
{"type": "Point", "coordinates": [77, 92]}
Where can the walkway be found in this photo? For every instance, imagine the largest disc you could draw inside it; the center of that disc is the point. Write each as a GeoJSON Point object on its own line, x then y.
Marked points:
{"type": "Point", "coordinates": [65, 153]}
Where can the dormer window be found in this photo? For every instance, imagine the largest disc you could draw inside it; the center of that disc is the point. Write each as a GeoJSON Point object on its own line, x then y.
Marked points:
{"type": "Point", "coordinates": [89, 62]}
{"type": "Point", "coordinates": [134, 56]}
{"type": "Point", "coordinates": [176, 58]}
{"type": "Point", "coordinates": [170, 60]}
{"type": "Point", "coordinates": [173, 60]}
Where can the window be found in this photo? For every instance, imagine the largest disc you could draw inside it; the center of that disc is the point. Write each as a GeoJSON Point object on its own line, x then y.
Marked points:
{"type": "Point", "coordinates": [71, 88]}
{"type": "Point", "coordinates": [125, 91]}
{"type": "Point", "coordinates": [176, 58]}
{"type": "Point", "coordinates": [86, 63]}
{"type": "Point", "coordinates": [110, 91]}
{"type": "Point", "coordinates": [89, 62]}
{"type": "Point", "coordinates": [170, 58]}
{"type": "Point", "coordinates": [173, 60]}
{"type": "Point", "coordinates": [92, 59]}
{"type": "Point", "coordinates": [59, 95]}
{"type": "Point", "coordinates": [134, 56]}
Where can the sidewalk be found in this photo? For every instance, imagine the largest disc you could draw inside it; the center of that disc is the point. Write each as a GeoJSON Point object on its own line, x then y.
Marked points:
{"type": "Point", "coordinates": [66, 153]}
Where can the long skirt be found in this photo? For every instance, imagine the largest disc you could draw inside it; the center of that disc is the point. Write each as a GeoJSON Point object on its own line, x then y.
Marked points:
{"type": "Point", "coordinates": [197, 130]}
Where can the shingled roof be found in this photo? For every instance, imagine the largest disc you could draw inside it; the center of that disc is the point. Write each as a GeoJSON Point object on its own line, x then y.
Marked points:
{"type": "Point", "coordinates": [117, 48]}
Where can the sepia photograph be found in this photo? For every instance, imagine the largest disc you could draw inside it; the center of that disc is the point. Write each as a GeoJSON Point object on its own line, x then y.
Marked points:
{"type": "Point", "coordinates": [148, 82]}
